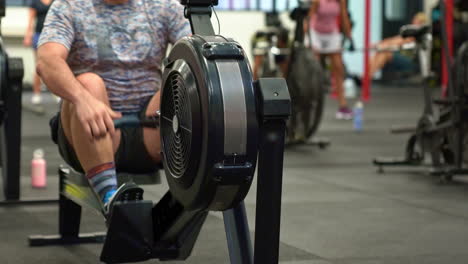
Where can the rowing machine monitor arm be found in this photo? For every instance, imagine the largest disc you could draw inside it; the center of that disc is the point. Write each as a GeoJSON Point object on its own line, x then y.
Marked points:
{"type": "Point", "coordinates": [198, 12]}
{"type": "Point", "coordinates": [299, 14]}
{"type": "Point", "coordinates": [2, 8]}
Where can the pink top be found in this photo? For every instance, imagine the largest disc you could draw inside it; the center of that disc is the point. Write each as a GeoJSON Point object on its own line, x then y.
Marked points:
{"type": "Point", "coordinates": [326, 19]}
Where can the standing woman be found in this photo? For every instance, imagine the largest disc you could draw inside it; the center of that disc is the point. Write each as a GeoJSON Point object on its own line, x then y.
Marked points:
{"type": "Point", "coordinates": [329, 20]}
{"type": "Point", "coordinates": [37, 13]}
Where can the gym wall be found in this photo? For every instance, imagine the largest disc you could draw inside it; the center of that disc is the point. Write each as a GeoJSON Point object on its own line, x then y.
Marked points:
{"type": "Point", "coordinates": [240, 24]}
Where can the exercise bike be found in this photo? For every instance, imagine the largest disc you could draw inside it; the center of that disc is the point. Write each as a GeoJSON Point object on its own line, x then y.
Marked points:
{"type": "Point", "coordinates": [214, 122]}
{"type": "Point", "coordinates": [454, 111]}
{"type": "Point", "coordinates": [305, 76]}
{"type": "Point", "coordinates": [440, 134]}
{"type": "Point", "coordinates": [452, 158]}
{"type": "Point", "coordinates": [307, 83]}
{"type": "Point", "coordinates": [270, 44]}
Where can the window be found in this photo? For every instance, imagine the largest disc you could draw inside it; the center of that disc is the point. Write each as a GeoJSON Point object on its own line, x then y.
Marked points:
{"type": "Point", "coordinates": [263, 5]}
{"type": "Point", "coordinates": [395, 10]}
{"type": "Point", "coordinates": [17, 2]}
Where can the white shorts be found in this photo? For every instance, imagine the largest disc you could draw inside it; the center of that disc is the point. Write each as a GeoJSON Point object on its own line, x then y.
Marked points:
{"type": "Point", "coordinates": [326, 43]}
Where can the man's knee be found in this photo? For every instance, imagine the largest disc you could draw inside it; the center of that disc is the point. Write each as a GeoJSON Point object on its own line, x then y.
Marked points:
{"type": "Point", "coordinates": [153, 105]}
{"type": "Point", "coordinates": [93, 83]}
{"type": "Point", "coordinates": [151, 136]}
{"type": "Point", "coordinates": [95, 86]}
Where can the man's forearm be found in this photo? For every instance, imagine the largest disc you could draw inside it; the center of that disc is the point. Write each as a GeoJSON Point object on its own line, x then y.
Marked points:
{"type": "Point", "coordinates": [58, 77]}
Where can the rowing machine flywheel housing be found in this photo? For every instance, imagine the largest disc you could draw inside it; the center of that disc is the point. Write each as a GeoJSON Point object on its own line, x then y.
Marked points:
{"type": "Point", "coordinates": [209, 127]}
{"type": "Point", "coordinates": [3, 81]}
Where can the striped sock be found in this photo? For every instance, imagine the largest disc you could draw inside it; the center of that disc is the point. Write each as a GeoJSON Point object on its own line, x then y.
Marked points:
{"type": "Point", "coordinates": [103, 179]}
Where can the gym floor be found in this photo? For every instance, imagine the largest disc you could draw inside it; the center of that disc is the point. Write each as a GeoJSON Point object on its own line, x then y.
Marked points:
{"type": "Point", "coordinates": [336, 207]}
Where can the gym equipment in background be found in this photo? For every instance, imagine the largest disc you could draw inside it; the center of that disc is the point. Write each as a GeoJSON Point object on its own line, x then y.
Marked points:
{"type": "Point", "coordinates": [11, 78]}
{"type": "Point", "coordinates": [271, 44]}
{"type": "Point", "coordinates": [441, 134]}
{"type": "Point", "coordinates": [215, 121]}
{"type": "Point", "coordinates": [418, 139]}
{"type": "Point", "coordinates": [307, 81]}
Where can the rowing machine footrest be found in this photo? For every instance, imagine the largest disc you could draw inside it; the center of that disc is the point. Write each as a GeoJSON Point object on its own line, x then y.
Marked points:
{"type": "Point", "coordinates": [442, 101]}
{"type": "Point", "coordinates": [122, 177]}
{"type": "Point", "coordinates": [403, 129]}
{"type": "Point", "coordinates": [130, 233]}
{"type": "Point", "coordinates": [53, 240]}
{"type": "Point", "coordinates": [389, 161]}
{"type": "Point", "coordinates": [140, 179]}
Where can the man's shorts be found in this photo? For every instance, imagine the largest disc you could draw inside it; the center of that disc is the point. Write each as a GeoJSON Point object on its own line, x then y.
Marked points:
{"type": "Point", "coordinates": [131, 156]}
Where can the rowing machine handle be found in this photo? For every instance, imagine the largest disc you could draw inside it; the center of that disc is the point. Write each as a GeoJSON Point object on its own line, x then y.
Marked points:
{"type": "Point", "coordinates": [127, 121]}
{"type": "Point", "coordinates": [134, 120]}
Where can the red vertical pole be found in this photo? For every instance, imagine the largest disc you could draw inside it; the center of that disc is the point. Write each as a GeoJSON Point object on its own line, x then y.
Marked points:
{"type": "Point", "coordinates": [366, 85]}
{"type": "Point", "coordinates": [449, 29]}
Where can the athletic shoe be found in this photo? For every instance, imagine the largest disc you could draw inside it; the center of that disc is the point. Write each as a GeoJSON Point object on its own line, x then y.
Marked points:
{"type": "Point", "coordinates": [36, 99]}
{"type": "Point", "coordinates": [126, 192]}
{"type": "Point", "coordinates": [344, 113]}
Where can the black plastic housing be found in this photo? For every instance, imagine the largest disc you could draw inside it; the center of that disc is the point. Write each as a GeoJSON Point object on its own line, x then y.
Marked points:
{"type": "Point", "coordinates": [199, 2]}
{"type": "Point", "coordinates": [218, 182]}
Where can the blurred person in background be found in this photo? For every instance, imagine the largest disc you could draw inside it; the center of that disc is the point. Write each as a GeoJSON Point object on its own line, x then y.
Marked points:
{"type": "Point", "coordinates": [37, 13]}
{"type": "Point", "coordinates": [329, 21]}
{"type": "Point", "coordinates": [396, 60]}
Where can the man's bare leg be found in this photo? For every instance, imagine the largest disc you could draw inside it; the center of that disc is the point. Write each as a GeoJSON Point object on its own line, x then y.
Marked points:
{"type": "Point", "coordinates": [151, 135]}
{"type": "Point", "coordinates": [96, 154]}
{"type": "Point", "coordinates": [91, 153]}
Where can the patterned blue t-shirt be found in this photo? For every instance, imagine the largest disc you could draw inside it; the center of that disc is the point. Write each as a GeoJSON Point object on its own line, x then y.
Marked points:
{"type": "Point", "coordinates": [124, 44]}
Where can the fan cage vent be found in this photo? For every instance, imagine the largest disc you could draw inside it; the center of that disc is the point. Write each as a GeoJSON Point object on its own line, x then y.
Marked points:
{"type": "Point", "coordinates": [176, 126]}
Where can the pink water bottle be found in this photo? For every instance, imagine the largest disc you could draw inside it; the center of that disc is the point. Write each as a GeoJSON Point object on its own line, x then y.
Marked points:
{"type": "Point", "coordinates": [38, 169]}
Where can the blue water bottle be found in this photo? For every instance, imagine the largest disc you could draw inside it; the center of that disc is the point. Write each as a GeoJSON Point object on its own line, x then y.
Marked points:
{"type": "Point", "coordinates": [358, 116]}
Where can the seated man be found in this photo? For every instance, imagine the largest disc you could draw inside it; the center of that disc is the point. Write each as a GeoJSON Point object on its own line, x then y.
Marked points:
{"type": "Point", "coordinates": [103, 58]}
{"type": "Point", "coordinates": [397, 60]}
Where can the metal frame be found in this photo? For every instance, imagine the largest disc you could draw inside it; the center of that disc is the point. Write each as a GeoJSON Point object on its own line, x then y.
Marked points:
{"type": "Point", "coordinates": [10, 133]}
{"type": "Point", "coordinates": [431, 133]}
{"type": "Point", "coordinates": [69, 223]}
{"type": "Point", "coordinates": [168, 231]}
{"type": "Point", "coordinates": [182, 227]}
{"type": "Point", "coordinates": [238, 235]}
